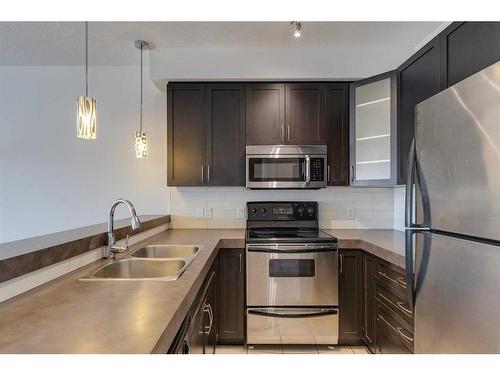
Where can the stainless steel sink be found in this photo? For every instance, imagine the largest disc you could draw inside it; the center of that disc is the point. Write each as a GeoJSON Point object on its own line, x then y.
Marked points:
{"type": "Point", "coordinates": [140, 269]}
{"type": "Point", "coordinates": [165, 251]}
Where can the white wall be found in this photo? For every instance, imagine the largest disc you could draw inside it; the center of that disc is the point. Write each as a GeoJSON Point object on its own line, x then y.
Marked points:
{"type": "Point", "coordinates": [340, 207]}
{"type": "Point", "coordinates": [50, 180]}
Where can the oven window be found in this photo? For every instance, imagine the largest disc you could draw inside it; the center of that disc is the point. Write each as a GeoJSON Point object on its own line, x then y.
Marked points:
{"type": "Point", "coordinates": [276, 169]}
{"type": "Point", "coordinates": [292, 268]}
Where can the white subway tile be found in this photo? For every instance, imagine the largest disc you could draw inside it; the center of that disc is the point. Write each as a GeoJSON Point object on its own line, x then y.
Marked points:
{"type": "Point", "coordinates": [374, 206]}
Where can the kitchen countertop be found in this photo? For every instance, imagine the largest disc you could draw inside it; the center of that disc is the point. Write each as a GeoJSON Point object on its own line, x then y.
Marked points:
{"type": "Point", "coordinates": [67, 315]}
{"type": "Point", "coordinates": [386, 244]}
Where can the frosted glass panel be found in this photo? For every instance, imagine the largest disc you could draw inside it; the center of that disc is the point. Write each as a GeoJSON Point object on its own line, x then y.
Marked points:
{"type": "Point", "coordinates": [373, 131]}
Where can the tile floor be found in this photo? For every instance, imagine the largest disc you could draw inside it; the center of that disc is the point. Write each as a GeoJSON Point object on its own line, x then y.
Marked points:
{"type": "Point", "coordinates": [292, 349]}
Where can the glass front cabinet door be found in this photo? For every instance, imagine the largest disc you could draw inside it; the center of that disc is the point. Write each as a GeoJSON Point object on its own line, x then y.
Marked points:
{"type": "Point", "coordinates": [373, 131]}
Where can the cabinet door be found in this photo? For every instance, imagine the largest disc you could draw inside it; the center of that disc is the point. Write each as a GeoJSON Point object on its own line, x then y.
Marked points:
{"type": "Point", "coordinates": [265, 114]}
{"type": "Point", "coordinates": [226, 134]}
{"type": "Point", "coordinates": [305, 114]}
{"type": "Point", "coordinates": [350, 297]}
{"type": "Point", "coordinates": [373, 133]}
{"type": "Point", "coordinates": [369, 273]}
{"type": "Point", "coordinates": [210, 311]}
{"type": "Point", "coordinates": [186, 134]}
{"type": "Point", "coordinates": [419, 79]}
{"type": "Point", "coordinates": [467, 48]}
{"type": "Point", "coordinates": [231, 296]}
{"type": "Point", "coordinates": [337, 133]}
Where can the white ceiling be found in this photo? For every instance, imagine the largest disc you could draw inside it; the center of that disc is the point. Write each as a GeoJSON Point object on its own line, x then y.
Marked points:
{"type": "Point", "coordinates": [111, 43]}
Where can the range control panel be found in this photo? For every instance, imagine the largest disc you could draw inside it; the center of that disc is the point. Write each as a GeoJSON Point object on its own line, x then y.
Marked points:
{"type": "Point", "coordinates": [282, 210]}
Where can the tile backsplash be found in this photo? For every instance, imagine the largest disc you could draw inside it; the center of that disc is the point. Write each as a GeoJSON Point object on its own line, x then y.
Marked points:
{"type": "Point", "coordinates": [339, 207]}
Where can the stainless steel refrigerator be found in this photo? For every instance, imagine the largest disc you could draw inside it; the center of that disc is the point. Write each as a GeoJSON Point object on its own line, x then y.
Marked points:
{"type": "Point", "coordinates": [453, 239]}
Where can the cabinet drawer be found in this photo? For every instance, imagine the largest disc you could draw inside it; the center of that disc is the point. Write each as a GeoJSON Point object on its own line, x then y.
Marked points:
{"type": "Point", "coordinates": [393, 327]}
{"type": "Point", "coordinates": [391, 278]}
{"type": "Point", "coordinates": [396, 301]}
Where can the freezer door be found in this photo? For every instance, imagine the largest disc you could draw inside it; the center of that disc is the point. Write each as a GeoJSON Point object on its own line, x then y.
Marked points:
{"type": "Point", "coordinates": [457, 295]}
{"type": "Point", "coordinates": [457, 136]}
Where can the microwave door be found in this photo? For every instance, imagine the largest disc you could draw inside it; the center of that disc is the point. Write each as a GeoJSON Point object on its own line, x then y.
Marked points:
{"type": "Point", "coordinates": [276, 171]}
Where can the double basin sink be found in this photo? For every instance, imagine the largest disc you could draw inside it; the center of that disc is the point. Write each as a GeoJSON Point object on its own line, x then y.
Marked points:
{"type": "Point", "coordinates": [154, 262]}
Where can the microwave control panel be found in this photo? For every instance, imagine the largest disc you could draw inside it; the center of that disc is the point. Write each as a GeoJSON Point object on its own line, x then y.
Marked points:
{"type": "Point", "coordinates": [317, 169]}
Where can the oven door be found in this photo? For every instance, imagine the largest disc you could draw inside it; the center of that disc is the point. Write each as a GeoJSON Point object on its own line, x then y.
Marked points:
{"type": "Point", "coordinates": [292, 326]}
{"type": "Point", "coordinates": [285, 171]}
{"type": "Point", "coordinates": [292, 275]}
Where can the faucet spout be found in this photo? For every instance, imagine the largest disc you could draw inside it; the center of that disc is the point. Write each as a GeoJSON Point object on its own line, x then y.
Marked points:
{"type": "Point", "coordinates": [134, 222]}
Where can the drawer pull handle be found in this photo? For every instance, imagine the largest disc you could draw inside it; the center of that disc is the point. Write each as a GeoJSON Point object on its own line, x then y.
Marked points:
{"type": "Point", "coordinates": [387, 277]}
{"type": "Point", "coordinates": [399, 330]}
{"type": "Point", "coordinates": [400, 305]}
{"type": "Point", "coordinates": [402, 282]}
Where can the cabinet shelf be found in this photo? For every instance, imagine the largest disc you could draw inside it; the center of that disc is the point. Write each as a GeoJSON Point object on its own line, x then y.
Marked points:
{"type": "Point", "coordinates": [373, 161]}
{"type": "Point", "coordinates": [373, 137]}
{"type": "Point", "coordinates": [377, 101]}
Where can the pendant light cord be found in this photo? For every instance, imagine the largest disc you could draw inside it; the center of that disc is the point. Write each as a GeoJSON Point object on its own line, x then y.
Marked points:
{"type": "Point", "coordinates": [86, 59]}
{"type": "Point", "coordinates": [142, 47]}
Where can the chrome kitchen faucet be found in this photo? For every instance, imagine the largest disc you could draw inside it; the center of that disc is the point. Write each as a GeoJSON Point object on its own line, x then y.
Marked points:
{"type": "Point", "coordinates": [135, 223]}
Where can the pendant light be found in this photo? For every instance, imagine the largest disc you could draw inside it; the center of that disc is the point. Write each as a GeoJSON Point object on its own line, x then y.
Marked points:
{"type": "Point", "coordinates": [141, 140]}
{"type": "Point", "coordinates": [86, 106]}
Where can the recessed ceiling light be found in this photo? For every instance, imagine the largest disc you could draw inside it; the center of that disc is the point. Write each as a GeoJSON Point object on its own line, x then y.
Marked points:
{"type": "Point", "coordinates": [298, 29]}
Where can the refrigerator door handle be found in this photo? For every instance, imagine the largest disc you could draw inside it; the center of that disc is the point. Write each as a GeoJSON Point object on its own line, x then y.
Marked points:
{"type": "Point", "coordinates": [409, 268]}
{"type": "Point", "coordinates": [410, 172]}
{"type": "Point", "coordinates": [410, 227]}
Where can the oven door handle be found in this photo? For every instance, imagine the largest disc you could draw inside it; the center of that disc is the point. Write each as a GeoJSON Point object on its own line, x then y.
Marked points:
{"type": "Point", "coordinates": [292, 249]}
{"type": "Point", "coordinates": [292, 313]}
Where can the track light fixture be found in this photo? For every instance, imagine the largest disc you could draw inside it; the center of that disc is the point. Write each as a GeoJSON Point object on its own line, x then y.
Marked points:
{"type": "Point", "coordinates": [298, 29]}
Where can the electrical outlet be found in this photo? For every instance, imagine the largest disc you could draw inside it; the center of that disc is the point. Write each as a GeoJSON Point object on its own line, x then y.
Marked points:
{"type": "Point", "coordinates": [350, 213]}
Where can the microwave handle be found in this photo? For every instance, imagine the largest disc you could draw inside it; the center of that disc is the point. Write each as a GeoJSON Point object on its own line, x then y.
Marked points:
{"type": "Point", "coordinates": [308, 169]}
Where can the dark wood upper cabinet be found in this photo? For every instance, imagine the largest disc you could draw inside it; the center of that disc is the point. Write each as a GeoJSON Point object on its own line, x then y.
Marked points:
{"type": "Point", "coordinates": [225, 141]}
{"type": "Point", "coordinates": [467, 48]}
{"type": "Point", "coordinates": [419, 79]}
{"type": "Point", "coordinates": [231, 296]}
{"type": "Point", "coordinates": [185, 133]}
{"type": "Point", "coordinates": [206, 134]}
{"type": "Point", "coordinates": [305, 114]}
{"type": "Point", "coordinates": [265, 113]}
{"type": "Point", "coordinates": [337, 133]}
{"type": "Point", "coordinates": [350, 297]}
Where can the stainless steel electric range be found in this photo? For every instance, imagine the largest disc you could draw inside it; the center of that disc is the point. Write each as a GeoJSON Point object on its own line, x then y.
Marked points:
{"type": "Point", "coordinates": [292, 275]}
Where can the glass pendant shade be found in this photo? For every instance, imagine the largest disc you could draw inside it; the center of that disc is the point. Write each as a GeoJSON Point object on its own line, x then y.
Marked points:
{"type": "Point", "coordinates": [86, 123]}
{"type": "Point", "coordinates": [141, 145]}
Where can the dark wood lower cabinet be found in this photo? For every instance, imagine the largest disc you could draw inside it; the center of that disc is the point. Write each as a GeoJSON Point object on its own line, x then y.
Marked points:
{"type": "Point", "coordinates": [373, 305]}
{"type": "Point", "coordinates": [394, 322]}
{"type": "Point", "coordinates": [350, 296]}
{"type": "Point", "coordinates": [368, 328]}
{"type": "Point", "coordinates": [231, 296]}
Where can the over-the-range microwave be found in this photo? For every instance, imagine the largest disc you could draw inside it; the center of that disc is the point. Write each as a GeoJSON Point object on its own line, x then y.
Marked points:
{"type": "Point", "coordinates": [286, 167]}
